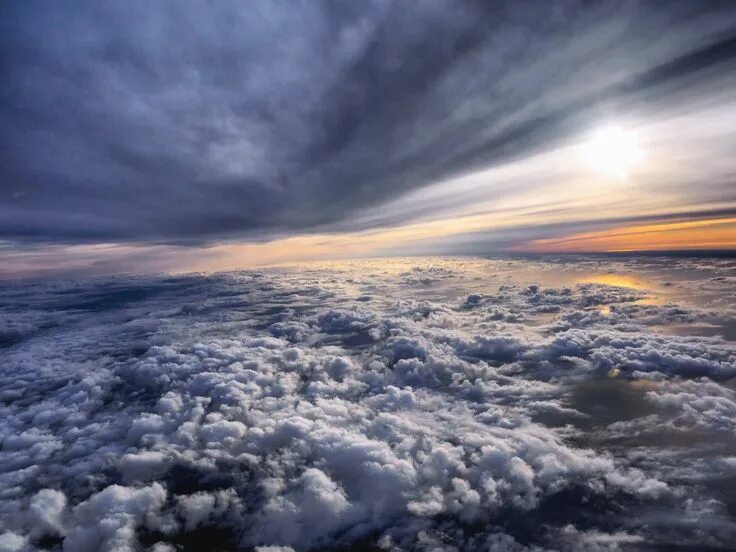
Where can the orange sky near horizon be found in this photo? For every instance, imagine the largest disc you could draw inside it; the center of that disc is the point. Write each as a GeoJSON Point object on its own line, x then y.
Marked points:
{"type": "Point", "coordinates": [716, 233]}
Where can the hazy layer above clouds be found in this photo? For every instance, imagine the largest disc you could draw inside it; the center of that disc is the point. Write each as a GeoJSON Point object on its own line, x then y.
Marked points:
{"type": "Point", "coordinates": [195, 123]}
{"type": "Point", "coordinates": [407, 404]}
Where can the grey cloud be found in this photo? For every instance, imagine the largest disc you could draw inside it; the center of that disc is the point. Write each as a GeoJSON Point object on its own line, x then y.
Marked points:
{"type": "Point", "coordinates": [189, 123]}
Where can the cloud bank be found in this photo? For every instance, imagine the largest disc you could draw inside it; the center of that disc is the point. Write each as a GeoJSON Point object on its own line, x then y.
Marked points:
{"type": "Point", "coordinates": [428, 404]}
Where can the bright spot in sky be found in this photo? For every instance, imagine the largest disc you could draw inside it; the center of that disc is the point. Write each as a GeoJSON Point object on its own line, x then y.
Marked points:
{"type": "Point", "coordinates": [612, 151]}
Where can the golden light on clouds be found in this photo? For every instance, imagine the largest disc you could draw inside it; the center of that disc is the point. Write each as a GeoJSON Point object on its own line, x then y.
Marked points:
{"type": "Point", "coordinates": [715, 233]}
{"type": "Point", "coordinates": [619, 280]}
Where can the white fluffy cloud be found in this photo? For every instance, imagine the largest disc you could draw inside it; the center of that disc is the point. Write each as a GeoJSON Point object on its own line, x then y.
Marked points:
{"type": "Point", "coordinates": [406, 404]}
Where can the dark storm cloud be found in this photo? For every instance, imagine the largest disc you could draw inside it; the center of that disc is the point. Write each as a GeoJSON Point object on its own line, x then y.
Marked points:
{"type": "Point", "coordinates": [193, 121]}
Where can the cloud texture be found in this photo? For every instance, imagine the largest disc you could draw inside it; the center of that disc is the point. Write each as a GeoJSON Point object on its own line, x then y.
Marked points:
{"type": "Point", "coordinates": [428, 404]}
{"type": "Point", "coordinates": [191, 123]}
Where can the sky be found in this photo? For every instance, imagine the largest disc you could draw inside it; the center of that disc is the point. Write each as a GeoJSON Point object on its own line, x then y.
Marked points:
{"type": "Point", "coordinates": [192, 136]}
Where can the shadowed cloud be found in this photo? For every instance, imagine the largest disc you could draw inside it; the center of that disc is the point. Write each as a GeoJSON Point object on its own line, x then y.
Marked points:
{"type": "Point", "coordinates": [195, 122]}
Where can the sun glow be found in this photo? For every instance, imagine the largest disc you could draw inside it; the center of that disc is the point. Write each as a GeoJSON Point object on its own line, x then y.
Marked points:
{"type": "Point", "coordinates": [612, 151]}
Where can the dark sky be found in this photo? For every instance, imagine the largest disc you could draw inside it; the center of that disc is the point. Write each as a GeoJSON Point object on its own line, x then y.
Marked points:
{"type": "Point", "coordinates": [193, 122]}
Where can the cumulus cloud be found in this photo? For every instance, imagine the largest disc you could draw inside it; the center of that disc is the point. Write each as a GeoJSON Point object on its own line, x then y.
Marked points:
{"type": "Point", "coordinates": [280, 410]}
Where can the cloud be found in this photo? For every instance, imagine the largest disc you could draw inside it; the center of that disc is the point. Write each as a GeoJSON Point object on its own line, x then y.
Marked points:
{"type": "Point", "coordinates": [108, 519]}
{"type": "Point", "coordinates": [12, 542]}
{"type": "Point", "coordinates": [270, 121]}
{"type": "Point", "coordinates": [241, 408]}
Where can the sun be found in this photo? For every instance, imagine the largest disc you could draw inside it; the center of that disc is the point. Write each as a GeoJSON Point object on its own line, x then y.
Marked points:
{"type": "Point", "coordinates": [613, 151]}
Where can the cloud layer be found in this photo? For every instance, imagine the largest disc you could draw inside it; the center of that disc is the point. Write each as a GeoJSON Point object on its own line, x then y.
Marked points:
{"type": "Point", "coordinates": [427, 404]}
{"type": "Point", "coordinates": [198, 122]}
